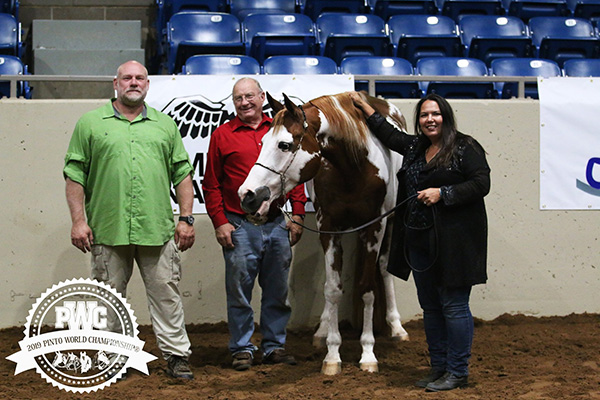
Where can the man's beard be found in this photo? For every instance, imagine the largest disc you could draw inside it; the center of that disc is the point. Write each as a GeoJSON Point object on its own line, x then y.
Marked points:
{"type": "Point", "coordinates": [134, 99]}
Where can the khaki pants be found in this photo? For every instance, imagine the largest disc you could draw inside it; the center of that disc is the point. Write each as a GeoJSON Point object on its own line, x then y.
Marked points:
{"type": "Point", "coordinates": [160, 268]}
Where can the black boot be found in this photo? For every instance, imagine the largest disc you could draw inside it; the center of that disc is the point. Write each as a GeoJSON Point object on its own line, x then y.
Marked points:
{"type": "Point", "coordinates": [448, 382]}
{"type": "Point", "coordinates": [433, 376]}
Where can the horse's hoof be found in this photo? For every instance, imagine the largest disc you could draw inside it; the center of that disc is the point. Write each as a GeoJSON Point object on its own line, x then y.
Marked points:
{"type": "Point", "coordinates": [319, 342]}
{"type": "Point", "coordinates": [329, 368]}
{"type": "Point", "coordinates": [401, 338]}
{"type": "Point", "coordinates": [369, 367]}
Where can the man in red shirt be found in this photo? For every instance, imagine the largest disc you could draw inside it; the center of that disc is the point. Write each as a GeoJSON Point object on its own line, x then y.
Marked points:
{"type": "Point", "coordinates": [250, 250]}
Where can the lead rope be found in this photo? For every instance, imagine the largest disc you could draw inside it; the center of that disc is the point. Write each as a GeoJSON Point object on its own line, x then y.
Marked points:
{"type": "Point", "coordinates": [358, 228]}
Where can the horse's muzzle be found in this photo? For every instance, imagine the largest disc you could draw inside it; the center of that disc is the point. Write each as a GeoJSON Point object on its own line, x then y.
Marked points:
{"type": "Point", "coordinates": [252, 201]}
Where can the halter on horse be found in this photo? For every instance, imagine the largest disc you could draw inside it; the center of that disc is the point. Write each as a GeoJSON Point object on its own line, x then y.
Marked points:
{"type": "Point", "coordinates": [328, 141]}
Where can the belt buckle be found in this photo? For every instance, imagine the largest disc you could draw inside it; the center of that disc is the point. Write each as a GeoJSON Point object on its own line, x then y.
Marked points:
{"type": "Point", "coordinates": [257, 220]}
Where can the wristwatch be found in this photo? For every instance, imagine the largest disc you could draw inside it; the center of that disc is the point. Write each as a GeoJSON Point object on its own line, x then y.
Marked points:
{"type": "Point", "coordinates": [189, 219]}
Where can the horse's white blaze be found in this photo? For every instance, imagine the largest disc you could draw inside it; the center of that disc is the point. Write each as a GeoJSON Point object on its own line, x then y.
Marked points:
{"type": "Point", "coordinates": [288, 162]}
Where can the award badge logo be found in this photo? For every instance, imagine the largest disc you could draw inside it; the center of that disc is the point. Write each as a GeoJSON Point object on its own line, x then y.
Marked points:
{"type": "Point", "coordinates": [81, 336]}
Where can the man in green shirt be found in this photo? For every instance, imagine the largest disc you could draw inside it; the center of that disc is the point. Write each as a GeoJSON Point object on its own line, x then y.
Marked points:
{"type": "Point", "coordinates": [121, 162]}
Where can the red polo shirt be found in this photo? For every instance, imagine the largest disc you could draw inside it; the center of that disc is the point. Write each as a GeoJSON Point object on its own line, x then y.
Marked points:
{"type": "Point", "coordinates": [233, 150]}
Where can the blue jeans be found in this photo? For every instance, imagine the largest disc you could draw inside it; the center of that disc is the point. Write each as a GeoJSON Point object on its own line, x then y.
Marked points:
{"type": "Point", "coordinates": [447, 318]}
{"type": "Point", "coordinates": [262, 251]}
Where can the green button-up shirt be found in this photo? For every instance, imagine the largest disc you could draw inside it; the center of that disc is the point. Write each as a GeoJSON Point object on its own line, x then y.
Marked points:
{"type": "Point", "coordinates": [126, 169]}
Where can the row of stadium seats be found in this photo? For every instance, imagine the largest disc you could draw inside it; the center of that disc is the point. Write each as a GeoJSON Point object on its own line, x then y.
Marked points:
{"type": "Point", "coordinates": [454, 9]}
{"type": "Point", "coordinates": [447, 66]}
{"type": "Point", "coordinates": [341, 35]}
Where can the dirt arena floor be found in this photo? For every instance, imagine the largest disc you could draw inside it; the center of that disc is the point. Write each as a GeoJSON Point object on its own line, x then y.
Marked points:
{"type": "Point", "coordinates": [514, 357]}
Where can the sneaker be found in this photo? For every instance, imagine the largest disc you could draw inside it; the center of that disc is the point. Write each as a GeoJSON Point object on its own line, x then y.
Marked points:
{"type": "Point", "coordinates": [242, 361]}
{"type": "Point", "coordinates": [279, 356]}
{"type": "Point", "coordinates": [179, 367]}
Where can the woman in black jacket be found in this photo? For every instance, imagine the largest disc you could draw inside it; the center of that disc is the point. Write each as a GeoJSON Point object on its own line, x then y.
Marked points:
{"type": "Point", "coordinates": [441, 233]}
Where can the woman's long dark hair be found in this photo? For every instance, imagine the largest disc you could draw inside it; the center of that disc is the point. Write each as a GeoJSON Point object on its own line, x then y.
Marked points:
{"type": "Point", "coordinates": [449, 131]}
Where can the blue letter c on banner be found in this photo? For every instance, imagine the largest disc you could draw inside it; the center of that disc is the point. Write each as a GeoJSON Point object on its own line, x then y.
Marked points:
{"type": "Point", "coordinates": [588, 172]}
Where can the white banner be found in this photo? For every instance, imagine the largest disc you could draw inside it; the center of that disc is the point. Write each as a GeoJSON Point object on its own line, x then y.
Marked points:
{"type": "Point", "coordinates": [200, 103]}
{"type": "Point", "coordinates": [569, 143]}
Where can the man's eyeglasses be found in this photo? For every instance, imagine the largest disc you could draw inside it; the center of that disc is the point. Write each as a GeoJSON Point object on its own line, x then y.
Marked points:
{"type": "Point", "coordinates": [248, 97]}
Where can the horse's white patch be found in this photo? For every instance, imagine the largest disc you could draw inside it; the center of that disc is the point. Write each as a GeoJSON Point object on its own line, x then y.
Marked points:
{"type": "Point", "coordinates": [323, 132]}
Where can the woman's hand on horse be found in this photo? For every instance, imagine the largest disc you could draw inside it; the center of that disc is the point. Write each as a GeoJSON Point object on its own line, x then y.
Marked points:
{"type": "Point", "coordinates": [361, 104]}
{"type": "Point", "coordinates": [429, 196]}
{"type": "Point", "coordinates": [223, 234]}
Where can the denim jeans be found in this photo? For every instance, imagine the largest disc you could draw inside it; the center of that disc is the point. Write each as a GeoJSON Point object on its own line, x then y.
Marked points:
{"type": "Point", "coordinates": [447, 319]}
{"type": "Point", "coordinates": [263, 251]}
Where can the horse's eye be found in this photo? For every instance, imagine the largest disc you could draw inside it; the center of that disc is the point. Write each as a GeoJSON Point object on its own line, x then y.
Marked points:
{"type": "Point", "coordinates": [284, 146]}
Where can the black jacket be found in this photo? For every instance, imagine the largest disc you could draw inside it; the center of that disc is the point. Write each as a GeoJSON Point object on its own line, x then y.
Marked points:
{"type": "Point", "coordinates": [461, 220]}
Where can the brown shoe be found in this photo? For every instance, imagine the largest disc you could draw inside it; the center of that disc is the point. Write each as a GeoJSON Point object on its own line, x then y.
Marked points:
{"type": "Point", "coordinates": [279, 356]}
{"type": "Point", "coordinates": [179, 367]}
{"type": "Point", "coordinates": [242, 361]}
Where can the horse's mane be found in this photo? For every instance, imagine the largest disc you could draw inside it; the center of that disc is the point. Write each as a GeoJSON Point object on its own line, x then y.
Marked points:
{"type": "Point", "coordinates": [346, 122]}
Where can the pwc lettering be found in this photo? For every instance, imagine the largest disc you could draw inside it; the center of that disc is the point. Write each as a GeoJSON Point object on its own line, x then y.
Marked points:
{"type": "Point", "coordinates": [81, 315]}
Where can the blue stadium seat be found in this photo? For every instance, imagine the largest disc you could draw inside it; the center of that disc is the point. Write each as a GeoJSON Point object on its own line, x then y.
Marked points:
{"type": "Point", "coordinates": [191, 33]}
{"type": "Point", "coordinates": [526, 9]}
{"type": "Point", "coordinates": [563, 38]}
{"type": "Point", "coordinates": [166, 9]}
{"type": "Point", "coordinates": [584, 8]}
{"type": "Point", "coordinates": [418, 36]}
{"type": "Point", "coordinates": [522, 67]}
{"type": "Point", "coordinates": [216, 64]}
{"type": "Point", "coordinates": [386, 8]}
{"type": "Point", "coordinates": [10, 35]}
{"type": "Point", "coordinates": [242, 8]}
{"type": "Point", "coordinates": [487, 37]}
{"type": "Point", "coordinates": [382, 66]}
{"type": "Point", "coordinates": [268, 35]}
{"type": "Point", "coordinates": [455, 66]}
{"type": "Point", "coordinates": [11, 65]}
{"type": "Point", "coordinates": [10, 7]}
{"type": "Point", "coordinates": [346, 35]}
{"type": "Point", "coordinates": [455, 9]}
{"type": "Point", "coordinates": [314, 8]}
{"type": "Point", "coordinates": [299, 65]}
{"type": "Point", "coordinates": [582, 67]}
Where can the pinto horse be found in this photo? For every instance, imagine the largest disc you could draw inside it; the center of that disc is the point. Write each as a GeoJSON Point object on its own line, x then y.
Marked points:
{"type": "Point", "coordinates": [328, 140]}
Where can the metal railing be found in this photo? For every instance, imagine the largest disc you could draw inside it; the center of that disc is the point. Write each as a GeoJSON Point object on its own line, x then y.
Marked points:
{"type": "Point", "coordinates": [521, 80]}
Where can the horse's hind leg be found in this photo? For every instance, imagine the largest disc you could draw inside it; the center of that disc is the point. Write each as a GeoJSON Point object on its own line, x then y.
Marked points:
{"type": "Point", "coordinates": [332, 364]}
{"type": "Point", "coordinates": [371, 240]}
{"type": "Point", "coordinates": [392, 315]}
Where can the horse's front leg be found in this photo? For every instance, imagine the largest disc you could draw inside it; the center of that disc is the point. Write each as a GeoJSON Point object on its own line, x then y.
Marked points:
{"type": "Point", "coordinates": [332, 364]}
{"type": "Point", "coordinates": [368, 361]}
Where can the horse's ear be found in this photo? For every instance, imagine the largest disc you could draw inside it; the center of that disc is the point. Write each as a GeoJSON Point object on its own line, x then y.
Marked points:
{"type": "Point", "coordinates": [289, 104]}
{"type": "Point", "coordinates": [275, 105]}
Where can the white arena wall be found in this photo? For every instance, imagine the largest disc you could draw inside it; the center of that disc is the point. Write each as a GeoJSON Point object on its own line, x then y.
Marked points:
{"type": "Point", "coordinates": [541, 263]}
